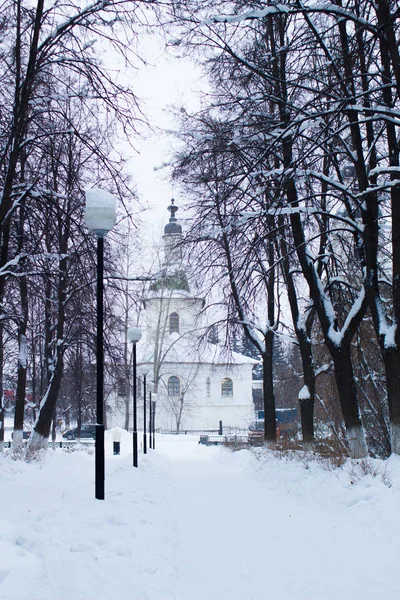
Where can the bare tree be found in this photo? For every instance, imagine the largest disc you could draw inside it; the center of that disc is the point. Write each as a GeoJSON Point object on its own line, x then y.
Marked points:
{"type": "Point", "coordinates": [52, 81]}
{"type": "Point", "coordinates": [290, 101]}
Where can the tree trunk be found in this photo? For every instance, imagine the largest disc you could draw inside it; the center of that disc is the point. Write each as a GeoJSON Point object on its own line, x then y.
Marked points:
{"type": "Point", "coordinates": [2, 407]}
{"type": "Point", "coordinates": [392, 368]}
{"type": "Point", "coordinates": [341, 355]}
{"type": "Point", "coordinates": [307, 401]}
{"type": "Point", "coordinates": [344, 377]}
{"type": "Point", "coordinates": [54, 429]}
{"type": "Point", "coordinates": [268, 392]}
{"type": "Point", "coordinates": [79, 419]}
{"type": "Point", "coordinates": [268, 356]}
{"type": "Point", "coordinates": [21, 392]}
{"type": "Point", "coordinates": [307, 420]}
{"type": "Point", "coordinates": [127, 412]}
{"type": "Point", "coordinates": [179, 414]}
{"type": "Point", "coordinates": [22, 95]}
{"type": "Point", "coordinates": [387, 35]}
{"type": "Point", "coordinates": [307, 398]}
{"type": "Point", "coordinates": [22, 366]}
{"type": "Point", "coordinates": [41, 433]}
{"type": "Point", "coordinates": [390, 349]}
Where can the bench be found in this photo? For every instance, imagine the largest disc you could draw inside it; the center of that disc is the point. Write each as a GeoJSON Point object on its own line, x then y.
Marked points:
{"type": "Point", "coordinates": [219, 440]}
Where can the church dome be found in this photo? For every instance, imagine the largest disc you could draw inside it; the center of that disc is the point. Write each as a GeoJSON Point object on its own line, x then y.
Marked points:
{"type": "Point", "coordinates": [173, 227]}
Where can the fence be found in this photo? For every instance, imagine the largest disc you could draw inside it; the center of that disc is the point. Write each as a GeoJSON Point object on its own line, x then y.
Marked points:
{"type": "Point", "coordinates": [61, 444]}
{"type": "Point", "coordinates": [222, 431]}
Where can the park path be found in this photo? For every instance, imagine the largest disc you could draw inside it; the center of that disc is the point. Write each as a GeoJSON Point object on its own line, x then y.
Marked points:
{"type": "Point", "coordinates": [246, 531]}
{"type": "Point", "coordinates": [195, 523]}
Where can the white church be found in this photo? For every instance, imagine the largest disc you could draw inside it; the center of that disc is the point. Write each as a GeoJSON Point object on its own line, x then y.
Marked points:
{"type": "Point", "coordinates": [197, 383]}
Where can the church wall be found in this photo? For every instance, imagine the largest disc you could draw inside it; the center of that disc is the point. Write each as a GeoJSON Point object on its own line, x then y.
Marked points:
{"type": "Point", "coordinates": [201, 410]}
{"type": "Point", "coordinates": [203, 404]}
{"type": "Point", "coordinates": [159, 309]}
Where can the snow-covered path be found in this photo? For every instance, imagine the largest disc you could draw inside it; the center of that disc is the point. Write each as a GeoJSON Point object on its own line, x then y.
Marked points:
{"type": "Point", "coordinates": [239, 537]}
{"type": "Point", "coordinates": [195, 522]}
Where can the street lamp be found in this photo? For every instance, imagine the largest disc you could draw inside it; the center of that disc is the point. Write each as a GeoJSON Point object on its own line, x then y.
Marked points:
{"type": "Point", "coordinates": [154, 419]}
{"type": "Point", "coordinates": [144, 371]}
{"type": "Point", "coordinates": [134, 334]}
{"type": "Point", "coordinates": [100, 217]}
{"type": "Point", "coordinates": [150, 387]}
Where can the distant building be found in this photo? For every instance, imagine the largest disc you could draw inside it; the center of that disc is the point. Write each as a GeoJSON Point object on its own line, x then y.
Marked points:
{"type": "Point", "coordinates": [198, 383]}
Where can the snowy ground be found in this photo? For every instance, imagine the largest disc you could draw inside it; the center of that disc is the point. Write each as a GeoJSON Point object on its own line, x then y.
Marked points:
{"type": "Point", "coordinates": [196, 523]}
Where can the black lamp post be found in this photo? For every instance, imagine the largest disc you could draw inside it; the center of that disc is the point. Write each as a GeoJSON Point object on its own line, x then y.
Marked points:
{"type": "Point", "coordinates": [144, 371]}
{"type": "Point", "coordinates": [150, 387]}
{"type": "Point", "coordinates": [100, 217]}
{"type": "Point", "coordinates": [154, 419]}
{"type": "Point", "coordinates": [134, 334]}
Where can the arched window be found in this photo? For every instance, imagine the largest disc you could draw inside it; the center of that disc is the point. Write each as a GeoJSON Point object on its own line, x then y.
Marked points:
{"type": "Point", "coordinates": [208, 387]}
{"type": "Point", "coordinates": [174, 386]}
{"type": "Point", "coordinates": [227, 387]}
{"type": "Point", "coordinates": [174, 322]}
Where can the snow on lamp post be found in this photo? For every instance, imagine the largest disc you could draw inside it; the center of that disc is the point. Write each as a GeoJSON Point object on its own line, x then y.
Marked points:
{"type": "Point", "coordinates": [144, 371]}
{"type": "Point", "coordinates": [100, 217]}
{"type": "Point", "coordinates": [154, 396]}
{"type": "Point", "coordinates": [150, 387]}
{"type": "Point", "coordinates": [134, 335]}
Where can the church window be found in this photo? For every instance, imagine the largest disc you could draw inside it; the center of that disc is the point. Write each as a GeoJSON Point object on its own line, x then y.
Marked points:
{"type": "Point", "coordinates": [174, 386]}
{"type": "Point", "coordinates": [227, 387]}
{"type": "Point", "coordinates": [174, 323]}
{"type": "Point", "coordinates": [208, 387]}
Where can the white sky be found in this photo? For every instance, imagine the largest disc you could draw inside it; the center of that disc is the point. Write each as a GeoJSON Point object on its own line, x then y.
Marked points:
{"type": "Point", "coordinates": [165, 81]}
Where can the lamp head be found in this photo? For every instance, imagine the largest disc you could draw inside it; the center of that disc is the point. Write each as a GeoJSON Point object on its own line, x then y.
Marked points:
{"type": "Point", "coordinates": [134, 334]}
{"type": "Point", "coordinates": [100, 213]}
{"type": "Point", "coordinates": [150, 386]}
{"type": "Point", "coordinates": [143, 370]}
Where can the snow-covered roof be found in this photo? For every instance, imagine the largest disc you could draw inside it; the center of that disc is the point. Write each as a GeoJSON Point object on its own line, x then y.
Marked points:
{"type": "Point", "coordinates": [181, 349]}
{"type": "Point", "coordinates": [218, 354]}
{"type": "Point", "coordinates": [171, 294]}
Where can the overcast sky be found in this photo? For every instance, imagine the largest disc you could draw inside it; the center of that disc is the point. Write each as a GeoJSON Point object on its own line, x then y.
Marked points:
{"type": "Point", "coordinates": [165, 81]}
